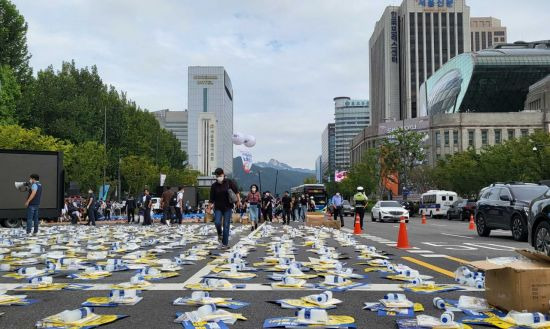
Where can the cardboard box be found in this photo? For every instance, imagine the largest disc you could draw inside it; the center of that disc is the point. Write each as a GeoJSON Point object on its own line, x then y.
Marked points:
{"type": "Point", "coordinates": [520, 285]}
{"type": "Point", "coordinates": [208, 218]}
{"type": "Point", "coordinates": [236, 218]}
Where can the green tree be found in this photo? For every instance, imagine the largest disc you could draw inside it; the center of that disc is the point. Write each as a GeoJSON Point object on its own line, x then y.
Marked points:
{"type": "Point", "coordinates": [310, 180]}
{"type": "Point", "coordinates": [180, 176]}
{"type": "Point", "coordinates": [138, 172]}
{"type": "Point", "coordinates": [13, 41]}
{"type": "Point", "coordinates": [17, 138]}
{"type": "Point", "coordinates": [400, 152]}
{"type": "Point", "coordinates": [10, 93]}
{"type": "Point", "coordinates": [85, 164]}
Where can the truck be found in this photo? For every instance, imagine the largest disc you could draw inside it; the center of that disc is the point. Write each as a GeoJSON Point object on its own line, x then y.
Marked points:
{"type": "Point", "coordinates": [15, 167]}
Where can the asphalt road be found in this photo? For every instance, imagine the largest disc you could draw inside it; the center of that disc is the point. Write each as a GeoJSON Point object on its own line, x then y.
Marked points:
{"type": "Point", "coordinates": [439, 247]}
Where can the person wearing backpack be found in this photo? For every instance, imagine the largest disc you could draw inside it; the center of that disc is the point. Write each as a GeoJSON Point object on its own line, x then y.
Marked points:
{"type": "Point", "coordinates": [224, 194]}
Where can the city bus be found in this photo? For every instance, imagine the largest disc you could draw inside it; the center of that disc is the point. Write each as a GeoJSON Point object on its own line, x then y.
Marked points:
{"type": "Point", "coordinates": [317, 191]}
{"type": "Point", "coordinates": [436, 202]}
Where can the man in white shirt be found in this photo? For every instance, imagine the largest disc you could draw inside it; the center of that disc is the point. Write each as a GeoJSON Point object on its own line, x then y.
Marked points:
{"type": "Point", "coordinates": [179, 205]}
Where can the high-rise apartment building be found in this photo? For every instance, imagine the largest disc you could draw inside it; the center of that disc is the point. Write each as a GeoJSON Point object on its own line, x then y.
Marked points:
{"type": "Point", "coordinates": [408, 45]}
{"type": "Point", "coordinates": [210, 107]}
{"type": "Point", "coordinates": [351, 116]}
{"type": "Point", "coordinates": [485, 32]}
{"type": "Point", "coordinates": [175, 122]}
{"type": "Point", "coordinates": [327, 153]}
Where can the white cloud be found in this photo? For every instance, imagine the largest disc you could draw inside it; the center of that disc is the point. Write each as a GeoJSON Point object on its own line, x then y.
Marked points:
{"type": "Point", "coordinates": [287, 59]}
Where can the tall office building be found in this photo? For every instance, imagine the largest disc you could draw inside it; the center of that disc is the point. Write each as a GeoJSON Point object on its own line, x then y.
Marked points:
{"type": "Point", "coordinates": [176, 122]}
{"type": "Point", "coordinates": [408, 45]}
{"type": "Point", "coordinates": [351, 116]}
{"type": "Point", "coordinates": [485, 32]}
{"type": "Point", "coordinates": [210, 107]}
{"type": "Point", "coordinates": [327, 153]}
{"type": "Point", "coordinates": [319, 170]}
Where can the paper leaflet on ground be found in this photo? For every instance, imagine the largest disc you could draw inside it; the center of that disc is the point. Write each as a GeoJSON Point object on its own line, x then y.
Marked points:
{"type": "Point", "coordinates": [203, 324]}
{"type": "Point", "coordinates": [512, 319]}
{"type": "Point", "coordinates": [213, 284]}
{"type": "Point", "coordinates": [209, 313]}
{"type": "Point", "coordinates": [82, 318]}
{"type": "Point", "coordinates": [203, 298]}
{"type": "Point", "coordinates": [473, 307]}
{"type": "Point", "coordinates": [15, 300]}
{"type": "Point", "coordinates": [152, 273]}
{"type": "Point", "coordinates": [311, 318]}
{"type": "Point", "coordinates": [394, 305]}
{"type": "Point", "coordinates": [116, 297]}
{"type": "Point", "coordinates": [424, 323]}
{"type": "Point", "coordinates": [323, 301]}
{"type": "Point", "coordinates": [338, 283]}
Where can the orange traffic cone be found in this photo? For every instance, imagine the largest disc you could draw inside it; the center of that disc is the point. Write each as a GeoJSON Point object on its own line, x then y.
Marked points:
{"type": "Point", "coordinates": [402, 238]}
{"type": "Point", "coordinates": [357, 226]}
{"type": "Point", "coordinates": [472, 225]}
{"type": "Point", "coordinates": [423, 218]}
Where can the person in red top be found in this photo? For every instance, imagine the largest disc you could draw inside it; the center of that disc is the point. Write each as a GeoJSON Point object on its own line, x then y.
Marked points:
{"type": "Point", "coordinates": [254, 200]}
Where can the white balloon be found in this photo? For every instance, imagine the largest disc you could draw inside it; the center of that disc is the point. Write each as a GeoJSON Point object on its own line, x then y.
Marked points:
{"type": "Point", "coordinates": [249, 141]}
{"type": "Point", "coordinates": [238, 138]}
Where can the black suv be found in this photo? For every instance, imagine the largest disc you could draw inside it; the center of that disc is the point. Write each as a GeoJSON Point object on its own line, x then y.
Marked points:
{"type": "Point", "coordinates": [506, 206]}
{"type": "Point", "coordinates": [539, 223]}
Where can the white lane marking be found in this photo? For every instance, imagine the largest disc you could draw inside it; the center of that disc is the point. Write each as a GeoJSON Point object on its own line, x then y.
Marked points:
{"type": "Point", "coordinates": [420, 251]}
{"type": "Point", "coordinates": [460, 236]}
{"type": "Point", "coordinates": [449, 246]}
{"type": "Point", "coordinates": [196, 278]}
{"type": "Point", "coordinates": [247, 287]}
{"type": "Point", "coordinates": [435, 256]}
{"type": "Point", "coordinates": [493, 246]}
{"type": "Point", "coordinates": [438, 225]}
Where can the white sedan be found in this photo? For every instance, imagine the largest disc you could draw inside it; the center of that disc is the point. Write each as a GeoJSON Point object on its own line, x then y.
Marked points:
{"type": "Point", "coordinates": [389, 211]}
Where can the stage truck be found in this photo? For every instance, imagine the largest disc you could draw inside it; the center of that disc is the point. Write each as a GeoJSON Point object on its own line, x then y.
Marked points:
{"type": "Point", "coordinates": [15, 168]}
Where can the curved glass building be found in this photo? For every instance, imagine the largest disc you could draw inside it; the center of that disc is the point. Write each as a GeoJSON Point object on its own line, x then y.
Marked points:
{"type": "Point", "coordinates": [491, 80]}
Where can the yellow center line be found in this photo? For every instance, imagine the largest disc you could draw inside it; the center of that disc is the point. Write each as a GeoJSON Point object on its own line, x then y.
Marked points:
{"type": "Point", "coordinates": [430, 266]}
{"type": "Point", "coordinates": [459, 260]}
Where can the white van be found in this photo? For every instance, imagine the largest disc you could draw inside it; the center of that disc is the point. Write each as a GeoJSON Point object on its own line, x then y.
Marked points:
{"type": "Point", "coordinates": [436, 202]}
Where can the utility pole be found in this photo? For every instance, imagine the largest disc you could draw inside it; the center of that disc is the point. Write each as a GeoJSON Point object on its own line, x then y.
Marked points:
{"type": "Point", "coordinates": [276, 179]}
{"type": "Point", "coordinates": [105, 147]}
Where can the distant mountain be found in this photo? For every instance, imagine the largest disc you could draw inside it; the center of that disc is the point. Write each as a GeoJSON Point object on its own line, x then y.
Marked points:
{"type": "Point", "coordinates": [275, 164]}
{"type": "Point", "coordinates": [285, 179]}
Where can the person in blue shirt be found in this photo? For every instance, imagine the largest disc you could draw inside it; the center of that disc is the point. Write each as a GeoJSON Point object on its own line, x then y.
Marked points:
{"type": "Point", "coordinates": [33, 203]}
{"type": "Point", "coordinates": [337, 202]}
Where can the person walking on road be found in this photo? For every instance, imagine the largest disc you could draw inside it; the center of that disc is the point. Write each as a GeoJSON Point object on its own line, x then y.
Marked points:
{"type": "Point", "coordinates": [303, 207]}
{"type": "Point", "coordinates": [338, 203]}
{"type": "Point", "coordinates": [179, 205]}
{"type": "Point", "coordinates": [146, 202]}
{"type": "Point", "coordinates": [286, 202]}
{"type": "Point", "coordinates": [165, 204]}
{"type": "Point", "coordinates": [224, 194]}
{"type": "Point", "coordinates": [360, 200]}
{"type": "Point", "coordinates": [295, 208]}
{"type": "Point", "coordinates": [91, 208]}
{"type": "Point", "coordinates": [33, 203]}
{"type": "Point", "coordinates": [267, 207]}
{"type": "Point", "coordinates": [312, 205]}
{"type": "Point", "coordinates": [254, 200]}
{"type": "Point", "coordinates": [131, 208]}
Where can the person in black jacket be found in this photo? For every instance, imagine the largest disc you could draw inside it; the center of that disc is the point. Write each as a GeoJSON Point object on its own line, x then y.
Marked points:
{"type": "Point", "coordinates": [223, 206]}
{"type": "Point", "coordinates": [146, 207]}
{"type": "Point", "coordinates": [131, 208]}
{"type": "Point", "coordinates": [267, 207]}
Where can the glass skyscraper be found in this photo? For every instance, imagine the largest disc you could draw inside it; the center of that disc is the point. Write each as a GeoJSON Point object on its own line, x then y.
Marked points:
{"type": "Point", "coordinates": [210, 107]}
{"type": "Point", "coordinates": [351, 116]}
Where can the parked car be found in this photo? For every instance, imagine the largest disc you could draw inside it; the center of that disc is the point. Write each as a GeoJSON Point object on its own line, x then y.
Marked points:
{"type": "Point", "coordinates": [461, 209]}
{"type": "Point", "coordinates": [347, 208]}
{"type": "Point", "coordinates": [506, 206]}
{"type": "Point", "coordinates": [538, 227]}
{"type": "Point", "coordinates": [388, 211]}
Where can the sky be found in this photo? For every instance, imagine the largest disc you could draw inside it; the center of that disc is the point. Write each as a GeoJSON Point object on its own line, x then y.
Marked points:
{"type": "Point", "coordinates": [287, 59]}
